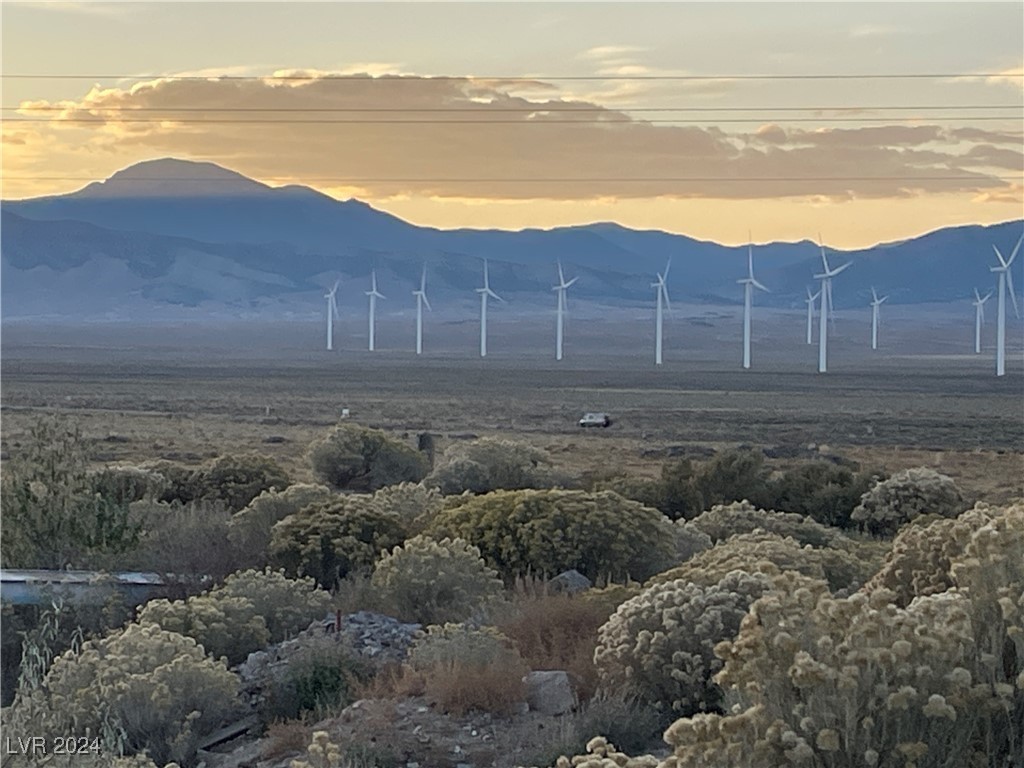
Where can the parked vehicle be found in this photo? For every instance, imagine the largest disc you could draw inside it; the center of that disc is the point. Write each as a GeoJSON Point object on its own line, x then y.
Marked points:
{"type": "Point", "coordinates": [595, 420]}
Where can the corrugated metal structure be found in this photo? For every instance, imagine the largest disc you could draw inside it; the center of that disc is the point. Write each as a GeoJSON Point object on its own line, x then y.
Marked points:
{"type": "Point", "coordinates": [38, 587]}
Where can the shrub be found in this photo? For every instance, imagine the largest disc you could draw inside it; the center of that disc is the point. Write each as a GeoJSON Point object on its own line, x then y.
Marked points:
{"type": "Point", "coordinates": [733, 475]}
{"type": "Point", "coordinates": [432, 582]}
{"type": "Point", "coordinates": [465, 668]}
{"type": "Point", "coordinates": [753, 552]}
{"type": "Point", "coordinates": [413, 503]}
{"type": "Point", "coordinates": [237, 480]}
{"type": "Point", "coordinates": [689, 541]}
{"type": "Point", "coordinates": [52, 518]}
{"type": "Point", "coordinates": [225, 627]}
{"type": "Point", "coordinates": [599, 534]}
{"type": "Point", "coordinates": [328, 540]}
{"type": "Point", "coordinates": [642, 489]}
{"type": "Point", "coordinates": [659, 645]}
{"type": "Point", "coordinates": [823, 491]}
{"type": "Point", "coordinates": [250, 528]}
{"type": "Point", "coordinates": [601, 753]}
{"type": "Point", "coordinates": [189, 541]}
{"type": "Point", "coordinates": [288, 606]}
{"type": "Point", "coordinates": [725, 520]}
{"type": "Point", "coordinates": [124, 484]}
{"type": "Point", "coordinates": [321, 679]}
{"type": "Point", "coordinates": [359, 459]}
{"type": "Point", "coordinates": [894, 502]}
{"type": "Point", "coordinates": [490, 464]}
{"type": "Point", "coordinates": [681, 494]}
{"type": "Point", "coordinates": [934, 682]}
{"type": "Point", "coordinates": [248, 611]}
{"type": "Point", "coordinates": [157, 687]}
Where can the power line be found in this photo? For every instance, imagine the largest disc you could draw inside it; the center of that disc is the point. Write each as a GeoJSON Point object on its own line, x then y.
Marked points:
{"type": "Point", "coordinates": [486, 108]}
{"type": "Point", "coordinates": [395, 78]}
{"type": "Point", "coordinates": [418, 121]}
{"type": "Point", "coordinates": [542, 180]}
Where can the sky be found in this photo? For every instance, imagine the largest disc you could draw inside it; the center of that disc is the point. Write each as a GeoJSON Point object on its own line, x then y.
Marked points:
{"type": "Point", "coordinates": [723, 121]}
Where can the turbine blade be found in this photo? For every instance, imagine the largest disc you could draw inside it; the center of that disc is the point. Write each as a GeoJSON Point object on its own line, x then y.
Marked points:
{"type": "Point", "coordinates": [492, 293]}
{"type": "Point", "coordinates": [1015, 249]}
{"type": "Point", "coordinates": [427, 302]}
{"type": "Point", "coordinates": [758, 285]}
{"type": "Point", "coordinates": [668, 266]}
{"type": "Point", "coordinates": [561, 276]}
{"type": "Point", "coordinates": [571, 282]}
{"type": "Point", "coordinates": [837, 270]}
{"type": "Point", "coordinates": [423, 279]}
{"type": "Point", "coordinates": [1001, 259]}
{"type": "Point", "coordinates": [334, 306]}
{"type": "Point", "coordinates": [874, 296]}
{"type": "Point", "coordinates": [1013, 294]}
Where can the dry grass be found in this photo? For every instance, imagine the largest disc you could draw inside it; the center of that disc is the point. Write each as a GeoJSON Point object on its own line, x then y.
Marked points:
{"type": "Point", "coordinates": [557, 632]}
{"type": "Point", "coordinates": [285, 737]}
{"type": "Point", "coordinates": [458, 688]}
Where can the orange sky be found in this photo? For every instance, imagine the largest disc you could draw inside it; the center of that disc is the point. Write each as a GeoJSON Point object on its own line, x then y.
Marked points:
{"type": "Point", "coordinates": [861, 160]}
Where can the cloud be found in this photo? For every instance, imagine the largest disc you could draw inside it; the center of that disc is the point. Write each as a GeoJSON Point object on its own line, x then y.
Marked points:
{"type": "Point", "coordinates": [1014, 193]}
{"type": "Point", "coordinates": [403, 135]}
{"type": "Point", "coordinates": [603, 52]}
{"type": "Point", "coordinates": [873, 30]}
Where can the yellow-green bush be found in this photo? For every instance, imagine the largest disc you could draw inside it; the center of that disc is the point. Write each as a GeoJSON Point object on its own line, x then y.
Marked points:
{"type": "Point", "coordinates": [158, 688]}
{"type": "Point", "coordinates": [328, 540]}
{"type": "Point", "coordinates": [245, 613]}
{"type": "Point", "coordinates": [892, 503]}
{"type": "Point", "coordinates": [250, 527]}
{"type": "Point", "coordinates": [413, 503]}
{"type": "Point", "coordinates": [288, 606]}
{"type": "Point", "coordinates": [725, 520]}
{"type": "Point", "coordinates": [660, 644]}
{"type": "Point", "coordinates": [758, 550]}
{"type": "Point", "coordinates": [602, 754]}
{"type": "Point", "coordinates": [225, 627]}
{"type": "Point", "coordinates": [433, 582]}
{"type": "Point", "coordinates": [827, 682]}
{"type": "Point", "coordinates": [602, 535]}
{"type": "Point", "coordinates": [491, 464]}
{"type": "Point", "coordinates": [922, 554]}
{"type": "Point", "coordinates": [124, 484]}
{"type": "Point", "coordinates": [356, 458]}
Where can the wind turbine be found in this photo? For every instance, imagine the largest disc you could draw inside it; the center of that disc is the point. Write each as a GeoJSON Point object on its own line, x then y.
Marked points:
{"type": "Point", "coordinates": [332, 313]}
{"type": "Point", "coordinates": [421, 299]}
{"type": "Point", "coordinates": [374, 294]}
{"type": "Point", "coordinates": [826, 306]}
{"type": "Point", "coordinates": [809, 301]}
{"type": "Point", "coordinates": [484, 293]}
{"type": "Point", "coordinates": [875, 304]}
{"type": "Point", "coordinates": [979, 317]}
{"type": "Point", "coordinates": [561, 288]}
{"type": "Point", "coordinates": [661, 291]}
{"type": "Point", "coordinates": [1005, 280]}
{"type": "Point", "coordinates": [748, 283]}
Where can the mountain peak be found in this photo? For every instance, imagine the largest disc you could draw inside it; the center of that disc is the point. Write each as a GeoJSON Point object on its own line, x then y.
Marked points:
{"type": "Point", "coordinates": [173, 177]}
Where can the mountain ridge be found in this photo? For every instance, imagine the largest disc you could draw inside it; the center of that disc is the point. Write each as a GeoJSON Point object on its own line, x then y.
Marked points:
{"type": "Point", "coordinates": [188, 227]}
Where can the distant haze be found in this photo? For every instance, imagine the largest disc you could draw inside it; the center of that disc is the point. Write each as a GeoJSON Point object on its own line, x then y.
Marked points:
{"type": "Point", "coordinates": [172, 238]}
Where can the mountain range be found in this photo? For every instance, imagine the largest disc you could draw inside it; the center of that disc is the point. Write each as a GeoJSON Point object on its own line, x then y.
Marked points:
{"type": "Point", "coordinates": [166, 235]}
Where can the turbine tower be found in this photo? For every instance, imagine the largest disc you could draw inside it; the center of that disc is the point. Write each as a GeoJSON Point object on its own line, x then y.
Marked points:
{"type": "Point", "coordinates": [374, 294]}
{"type": "Point", "coordinates": [561, 288]}
{"type": "Point", "coordinates": [979, 317]}
{"type": "Point", "coordinates": [484, 293]}
{"type": "Point", "coordinates": [1005, 280]}
{"type": "Point", "coordinates": [826, 306]}
{"type": "Point", "coordinates": [749, 284]}
{"type": "Point", "coordinates": [332, 313]}
{"type": "Point", "coordinates": [875, 304]}
{"type": "Point", "coordinates": [809, 301]}
{"type": "Point", "coordinates": [421, 299]}
{"type": "Point", "coordinates": [661, 291]}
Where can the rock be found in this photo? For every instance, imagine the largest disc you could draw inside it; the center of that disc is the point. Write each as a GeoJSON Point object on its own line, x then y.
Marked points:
{"type": "Point", "coordinates": [569, 582]}
{"type": "Point", "coordinates": [549, 692]}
